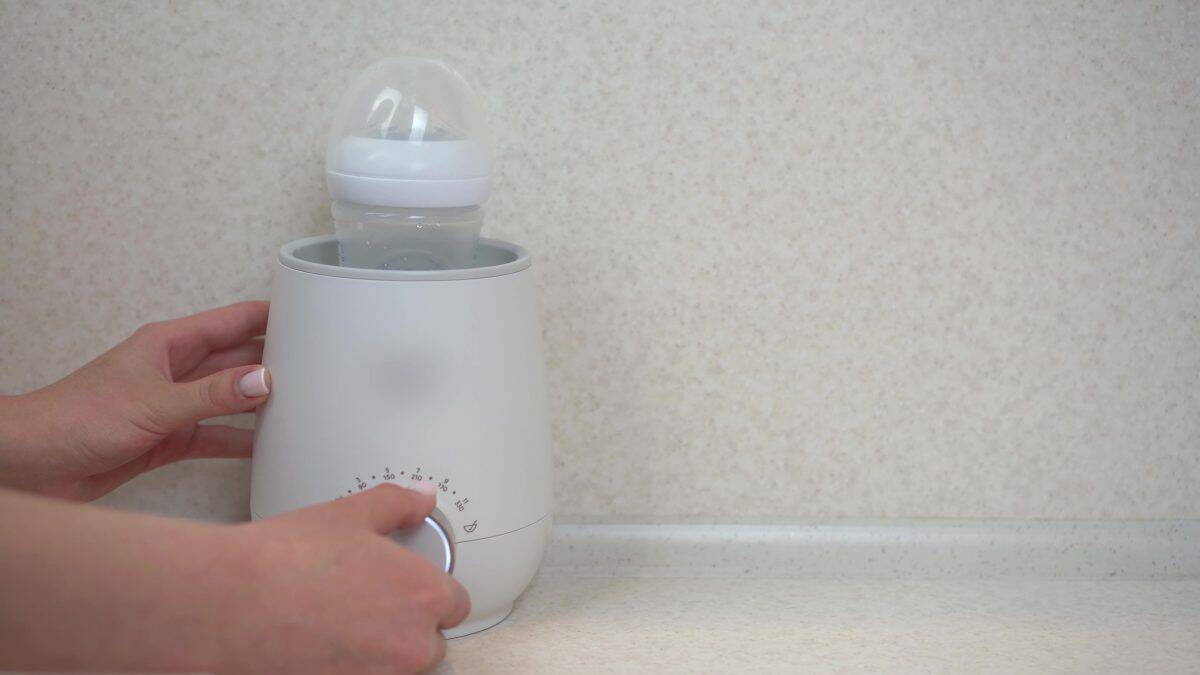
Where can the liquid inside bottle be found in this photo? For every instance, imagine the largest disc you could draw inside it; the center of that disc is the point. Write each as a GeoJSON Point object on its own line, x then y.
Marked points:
{"type": "Point", "coordinates": [401, 238]}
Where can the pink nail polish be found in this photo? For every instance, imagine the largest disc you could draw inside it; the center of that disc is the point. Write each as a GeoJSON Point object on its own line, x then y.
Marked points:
{"type": "Point", "coordinates": [254, 383]}
{"type": "Point", "coordinates": [423, 487]}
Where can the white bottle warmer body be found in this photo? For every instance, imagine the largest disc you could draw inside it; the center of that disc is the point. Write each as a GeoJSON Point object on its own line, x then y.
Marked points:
{"type": "Point", "coordinates": [389, 375]}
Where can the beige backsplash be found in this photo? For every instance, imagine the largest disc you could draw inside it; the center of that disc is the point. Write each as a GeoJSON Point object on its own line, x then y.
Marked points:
{"type": "Point", "coordinates": [805, 260]}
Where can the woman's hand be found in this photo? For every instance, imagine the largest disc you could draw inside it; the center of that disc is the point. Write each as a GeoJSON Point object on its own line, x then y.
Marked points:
{"type": "Point", "coordinates": [136, 407]}
{"type": "Point", "coordinates": [319, 590]}
{"type": "Point", "coordinates": [332, 594]}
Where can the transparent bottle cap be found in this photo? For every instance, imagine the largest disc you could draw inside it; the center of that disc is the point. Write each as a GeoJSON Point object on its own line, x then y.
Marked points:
{"type": "Point", "coordinates": [408, 133]}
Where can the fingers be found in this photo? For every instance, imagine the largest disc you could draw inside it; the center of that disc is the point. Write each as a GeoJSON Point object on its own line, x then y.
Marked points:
{"type": "Point", "coordinates": [192, 338]}
{"type": "Point", "coordinates": [230, 391]}
{"type": "Point", "coordinates": [460, 608]}
{"type": "Point", "coordinates": [245, 354]}
{"type": "Point", "coordinates": [202, 441]}
{"type": "Point", "coordinates": [437, 651]}
{"type": "Point", "coordinates": [381, 509]}
{"type": "Point", "coordinates": [208, 441]}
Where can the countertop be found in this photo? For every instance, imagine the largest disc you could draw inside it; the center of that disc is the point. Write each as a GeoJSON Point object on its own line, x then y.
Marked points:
{"type": "Point", "coordinates": [681, 598]}
{"type": "Point", "coordinates": [579, 624]}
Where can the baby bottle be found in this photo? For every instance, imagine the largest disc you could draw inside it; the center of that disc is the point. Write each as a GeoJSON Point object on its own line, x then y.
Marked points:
{"type": "Point", "coordinates": [407, 167]}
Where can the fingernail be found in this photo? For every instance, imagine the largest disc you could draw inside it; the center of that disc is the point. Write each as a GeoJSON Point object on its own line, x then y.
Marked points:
{"type": "Point", "coordinates": [254, 383]}
{"type": "Point", "coordinates": [423, 487]}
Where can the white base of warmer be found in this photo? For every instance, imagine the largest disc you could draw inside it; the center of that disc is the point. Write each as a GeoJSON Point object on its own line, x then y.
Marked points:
{"type": "Point", "coordinates": [495, 571]}
{"type": "Point", "coordinates": [476, 624]}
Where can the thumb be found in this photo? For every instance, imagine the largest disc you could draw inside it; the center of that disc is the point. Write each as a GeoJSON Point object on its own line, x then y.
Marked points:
{"type": "Point", "coordinates": [224, 393]}
{"type": "Point", "coordinates": [383, 508]}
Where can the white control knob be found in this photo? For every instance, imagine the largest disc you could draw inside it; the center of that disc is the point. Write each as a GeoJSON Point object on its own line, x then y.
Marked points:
{"type": "Point", "coordinates": [432, 540]}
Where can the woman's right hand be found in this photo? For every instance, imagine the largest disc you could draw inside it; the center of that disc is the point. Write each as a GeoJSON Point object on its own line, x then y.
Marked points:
{"type": "Point", "coordinates": [318, 590]}
{"type": "Point", "coordinates": [328, 592]}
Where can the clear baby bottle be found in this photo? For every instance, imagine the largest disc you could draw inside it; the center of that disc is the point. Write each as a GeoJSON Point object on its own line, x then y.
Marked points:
{"type": "Point", "coordinates": [407, 166]}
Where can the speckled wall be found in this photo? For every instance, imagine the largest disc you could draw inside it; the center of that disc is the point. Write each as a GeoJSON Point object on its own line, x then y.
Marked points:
{"type": "Point", "coordinates": [796, 260]}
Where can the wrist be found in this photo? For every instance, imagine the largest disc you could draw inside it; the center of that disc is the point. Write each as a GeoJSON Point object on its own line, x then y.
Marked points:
{"type": "Point", "coordinates": [200, 593]}
{"type": "Point", "coordinates": [107, 590]}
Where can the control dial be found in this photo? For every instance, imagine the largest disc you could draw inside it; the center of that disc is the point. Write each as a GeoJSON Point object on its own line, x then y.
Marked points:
{"type": "Point", "coordinates": [433, 540]}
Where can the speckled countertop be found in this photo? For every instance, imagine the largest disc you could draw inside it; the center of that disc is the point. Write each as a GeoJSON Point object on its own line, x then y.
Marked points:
{"type": "Point", "coordinates": [580, 624]}
{"type": "Point", "coordinates": [1009, 597]}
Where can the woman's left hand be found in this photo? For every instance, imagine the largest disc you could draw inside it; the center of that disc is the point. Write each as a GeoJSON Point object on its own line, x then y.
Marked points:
{"type": "Point", "coordinates": [136, 407]}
